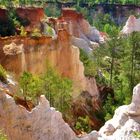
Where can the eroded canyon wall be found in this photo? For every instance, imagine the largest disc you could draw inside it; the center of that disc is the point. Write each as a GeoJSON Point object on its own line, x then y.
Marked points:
{"type": "Point", "coordinates": [36, 52]}
{"type": "Point", "coordinates": [84, 35]}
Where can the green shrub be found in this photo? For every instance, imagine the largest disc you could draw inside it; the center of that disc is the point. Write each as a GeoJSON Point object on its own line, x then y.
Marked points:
{"type": "Point", "coordinates": [136, 134]}
{"type": "Point", "coordinates": [2, 74]}
{"type": "Point", "coordinates": [36, 33]}
{"type": "Point", "coordinates": [82, 124]}
{"type": "Point", "coordinates": [31, 86]}
{"type": "Point", "coordinates": [102, 20]}
{"type": "Point", "coordinates": [2, 136]}
{"type": "Point", "coordinates": [52, 11]}
{"type": "Point", "coordinates": [23, 32]}
{"type": "Point", "coordinates": [49, 31]}
{"type": "Point", "coordinates": [109, 108]}
{"type": "Point", "coordinates": [57, 90]}
{"type": "Point", "coordinates": [51, 84]}
{"type": "Point", "coordinates": [90, 69]}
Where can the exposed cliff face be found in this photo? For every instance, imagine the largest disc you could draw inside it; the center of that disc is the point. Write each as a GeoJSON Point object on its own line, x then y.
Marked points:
{"type": "Point", "coordinates": [75, 24]}
{"type": "Point", "coordinates": [131, 25]}
{"type": "Point", "coordinates": [34, 15]}
{"type": "Point", "coordinates": [32, 55]}
{"type": "Point", "coordinates": [44, 122]}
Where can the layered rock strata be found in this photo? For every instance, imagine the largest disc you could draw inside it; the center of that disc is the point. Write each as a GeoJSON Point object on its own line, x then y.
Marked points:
{"type": "Point", "coordinates": [19, 54]}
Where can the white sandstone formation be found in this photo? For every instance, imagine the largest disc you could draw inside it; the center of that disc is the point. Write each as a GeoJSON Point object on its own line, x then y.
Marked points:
{"type": "Point", "coordinates": [125, 121]}
{"type": "Point", "coordinates": [82, 44]}
{"type": "Point", "coordinates": [94, 35]}
{"type": "Point", "coordinates": [13, 49]}
{"type": "Point", "coordinates": [42, 123]}
{"type": "Point", "coordinates": [131, 25]}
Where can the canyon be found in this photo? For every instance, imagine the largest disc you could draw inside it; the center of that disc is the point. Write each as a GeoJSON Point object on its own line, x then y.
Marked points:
{"type": "Point", "coordinates": [35, 54]}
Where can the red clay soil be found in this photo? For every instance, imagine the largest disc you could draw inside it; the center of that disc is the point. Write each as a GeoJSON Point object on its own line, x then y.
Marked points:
{"type": "Point", "coordinates": [34, 15]}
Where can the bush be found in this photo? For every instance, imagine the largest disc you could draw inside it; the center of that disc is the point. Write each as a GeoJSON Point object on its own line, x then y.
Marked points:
{"type": "Point", "coordinates": [136, 134]}
{"type": "Point", "coordinates": [90, 69]}
{"type": "Point", "coordinates": [51, 84]}
{"type": "Point", "coordinates": [2, 74]}
{"type": "Point", "coordinates": [57, 90]}
{"type": "Point", "coordinates": [82, 124]}
{"type": "Point", "coordinates": [23, 32]}
{"type": "Point", "coordinates": [31, 86]}
{"type": "Point", "coordinates": [2, 136]}
{"type": "Point", "coordinates": [102, 20]}
{"type": "Point", "coordinates": [109, 108]}
{"type": "Point", "coordinates": [36, 33]}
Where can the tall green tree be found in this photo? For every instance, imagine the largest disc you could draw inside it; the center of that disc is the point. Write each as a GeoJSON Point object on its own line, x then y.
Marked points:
{"type": "Point", "coordinates": [31, 86]}
{"type": "Point", "coordinates": [57, 90]}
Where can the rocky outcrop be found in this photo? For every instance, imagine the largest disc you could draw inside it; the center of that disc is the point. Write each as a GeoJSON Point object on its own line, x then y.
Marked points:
{"type": "Point", "coordinates": [79, 28]}
{"type": "Point", "coordinates": [44, 122]}
{"type": "Point", "coordinates": [31, 17]}
{"type": "Point", "coordinates": [125, 122]}
{"type": "Point", "coordinates": [131, 25]}
{"type": "Point", "coordinates": [34, 15]}
{"type": "Point", "coordinates": [13, 49]}
{"type": "Point", "coordinates": [32, 54]}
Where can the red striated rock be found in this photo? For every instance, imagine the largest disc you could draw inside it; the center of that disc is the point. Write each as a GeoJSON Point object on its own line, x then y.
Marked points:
{"type": "Point", "coordinates": [34, 15]}
{"type": "Point", "coordinates": [36, 51]}
{"type": "Point", "coordinates": [73, 19]}
{"type": "Point", "coordinates": [71, 13]}
{"type": "Point", "coordinates": [87, 105]}
{"type": "Point", "coordinates": [83, 34]}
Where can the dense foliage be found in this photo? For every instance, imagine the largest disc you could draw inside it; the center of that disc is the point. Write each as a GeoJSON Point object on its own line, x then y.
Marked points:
{"type": "Point", "coordinates": [2, 136]}
{"type": "Point", "coordinates": [82, 124]}
{"type": "Point", "coordinates": [116, 64]}
{"type": "Point", "coordinates": [92, 2]}
{"type": "Point", "coordinates": [51, 84]}
{"type": "Point", "coordinates": [88, 63]}
{"type": "Point", "coordinates": [2, 74]}
{"type": "Point", "coordinates": [31, 86]}
{"type": "Point", "coordinates": [120, 67]}
{"type": "Point", "coordinates": [57, 90]}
